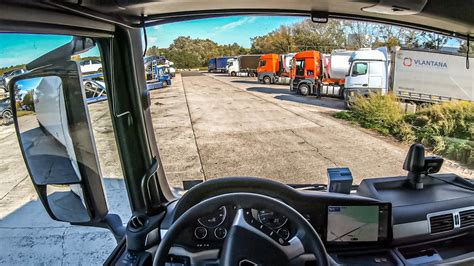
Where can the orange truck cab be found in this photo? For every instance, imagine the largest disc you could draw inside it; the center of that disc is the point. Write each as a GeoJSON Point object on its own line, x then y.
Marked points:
{"type": "Point", "coordinates": [268, 68]}
{"type": "Point", "coordinates": [307, 75]}
{"type": "Point", "coordinates": [274, 68]}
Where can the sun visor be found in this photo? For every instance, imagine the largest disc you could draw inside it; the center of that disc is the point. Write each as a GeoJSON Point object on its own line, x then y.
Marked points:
{"type": "Point", "coordinates": [397, 7]}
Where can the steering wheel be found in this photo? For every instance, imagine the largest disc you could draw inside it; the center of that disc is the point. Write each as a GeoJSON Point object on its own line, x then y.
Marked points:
{"type": "Point", "coordinates": [246, 243]}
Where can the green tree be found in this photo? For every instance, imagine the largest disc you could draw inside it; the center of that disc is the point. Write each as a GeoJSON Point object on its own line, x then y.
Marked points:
{"type": "Point", "coordinates": [28, 101]}
{"type": "Point", "coordinates": [153, 50]}
{"type": "Point", "coordinates": [432, 40]}
{"type": "Point", "coordinates": [187, 52]}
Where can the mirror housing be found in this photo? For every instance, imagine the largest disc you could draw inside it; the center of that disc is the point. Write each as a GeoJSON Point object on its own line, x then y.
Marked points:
{"type": "Point", "coordinates": [55, 135]}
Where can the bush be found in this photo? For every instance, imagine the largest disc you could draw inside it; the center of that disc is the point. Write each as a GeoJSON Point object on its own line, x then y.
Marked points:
{"type": "Point", "coordinates": [378, 112]}
{"type": "Point", "coordinates": [449, 119]}
{"type": "Point", "coordinates": [447, 128]}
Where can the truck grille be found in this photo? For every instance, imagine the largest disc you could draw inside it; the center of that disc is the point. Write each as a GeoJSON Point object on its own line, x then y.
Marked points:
{"type": "Point", "coordinates": [441, 223]}
{"type": "Point", "coordinates": [467, 218]}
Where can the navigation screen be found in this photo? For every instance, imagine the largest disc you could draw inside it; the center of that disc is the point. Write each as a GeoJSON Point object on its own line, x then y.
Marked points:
{"type": "Point", "coordinates": [353, 223]}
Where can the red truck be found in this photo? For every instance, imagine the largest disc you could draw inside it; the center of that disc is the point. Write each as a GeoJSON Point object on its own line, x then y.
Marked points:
{"type": "Point", "coordinates": [312, 70]}
{"type": "Point", "coordinates": [274, 68]}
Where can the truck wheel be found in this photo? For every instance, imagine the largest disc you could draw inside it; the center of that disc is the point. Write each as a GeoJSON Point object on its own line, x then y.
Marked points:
{"type": "Point", "coordinates": [251, 74]}
{"type": "Point", "coordinates": [7, 117]}
{"type": "Point", "coordinates": [304, 89]}
{"type": "Point", "coordinates": [165, 84]}
{"type": "Point", "coordinates": [267, 80]}
{"type": "Point", "coordinates": [233, 74]}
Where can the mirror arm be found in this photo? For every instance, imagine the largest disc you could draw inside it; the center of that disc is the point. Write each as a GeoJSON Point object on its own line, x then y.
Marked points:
{"type": "Point", "coordinates": [112, 222]}
{"type": "Point", "coordinates": [63, 53]}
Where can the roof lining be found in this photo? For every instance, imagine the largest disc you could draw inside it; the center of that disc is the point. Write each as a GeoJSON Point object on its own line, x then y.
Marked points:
{"type": "Point", "coordinates": [159, 19]}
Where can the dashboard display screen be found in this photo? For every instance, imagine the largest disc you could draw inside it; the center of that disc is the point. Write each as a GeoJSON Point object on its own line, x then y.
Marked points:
{"type": "Point", "coordinates": [368, 223]}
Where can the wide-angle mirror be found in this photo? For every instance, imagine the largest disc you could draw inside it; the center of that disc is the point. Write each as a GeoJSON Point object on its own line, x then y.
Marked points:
{"type": "Point", "coordinates": [44, 131]}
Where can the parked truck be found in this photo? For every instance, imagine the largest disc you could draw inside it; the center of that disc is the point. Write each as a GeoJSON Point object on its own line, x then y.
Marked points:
{"type": "Point", "coordinates": [160, 77]}
{"type": "Point", "coordinates": [274, 68]}
{"type": "Point", "coordinates": [218, 64]}
{"type": "Point", "coordinates": [313, 70]}
{"type": "Point", "coordinates": [412, 75]}
{"type": "Point", "coordinates": [243, 65]}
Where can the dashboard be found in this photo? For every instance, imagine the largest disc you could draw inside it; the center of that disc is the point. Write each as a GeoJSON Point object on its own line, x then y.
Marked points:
{"type": "Point", "coordinates": [358, 227]}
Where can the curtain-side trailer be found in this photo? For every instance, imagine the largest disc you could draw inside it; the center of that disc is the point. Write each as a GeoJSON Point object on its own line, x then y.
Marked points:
{"type": "Point", "coordinates": [243, 64]}
{"type": "Point", "coordinates": [412, 75]}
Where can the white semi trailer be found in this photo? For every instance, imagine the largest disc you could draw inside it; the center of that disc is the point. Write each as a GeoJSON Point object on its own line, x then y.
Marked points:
{"type": "Point", "coordinates": [412, 75]}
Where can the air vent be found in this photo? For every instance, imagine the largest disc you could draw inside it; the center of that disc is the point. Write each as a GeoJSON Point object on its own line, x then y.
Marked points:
{"type": "Point", "coordinates": [441, 223]}
{"type": "Point", "coordinates": [137, 222]}
{"type": "Point", "coordinates": [467, 218]}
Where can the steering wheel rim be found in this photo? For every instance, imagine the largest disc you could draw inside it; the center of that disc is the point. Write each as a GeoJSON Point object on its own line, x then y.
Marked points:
{"type": "Point", "coordinates": [305, 241]}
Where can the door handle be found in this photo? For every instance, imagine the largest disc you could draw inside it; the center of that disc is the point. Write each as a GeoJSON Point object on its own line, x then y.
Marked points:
{"type": "Point", "coordinates": [365, 85]}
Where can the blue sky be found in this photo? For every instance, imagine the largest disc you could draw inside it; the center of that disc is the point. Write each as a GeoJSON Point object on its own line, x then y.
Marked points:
{"type": "Point", "coordinates": [225, 30]}
{"type": "Point", "coordinates": [18, 49]}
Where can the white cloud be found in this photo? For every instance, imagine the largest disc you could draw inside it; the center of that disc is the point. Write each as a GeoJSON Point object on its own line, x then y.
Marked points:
{"type": "Point", "coordinates": [234, 24]}
{"type": "Point", "coordinates": [152, 40]}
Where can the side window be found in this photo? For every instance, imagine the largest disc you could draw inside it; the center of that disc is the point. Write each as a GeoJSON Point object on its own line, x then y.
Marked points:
{"type": "Point", "coordinates": [359, 69]}
{"type": "Point", "coordinates": [262, 63]}
{"type": "Point", "coordinates": [300, 67]}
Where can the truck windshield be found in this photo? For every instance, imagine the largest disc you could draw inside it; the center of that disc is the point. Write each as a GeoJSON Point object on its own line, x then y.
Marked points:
{"type": "Point", "coordinates": [359, 69]}
{"type": "Point", "coordinates": [404, 86]}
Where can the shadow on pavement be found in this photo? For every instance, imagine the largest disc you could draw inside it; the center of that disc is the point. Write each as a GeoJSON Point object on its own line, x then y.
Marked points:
{"type": "Point", "coordinates": [327, 102]}
{"type": "Point", "coordinates": [246, 81]}
{"type": "Point", "coordinates": [284, 94]}
{"type": "Point", "coordinates": [30, 236]}
{"type": "Point", "coordinates": [270, 90]}
{"type": "Point", "coordinates": [191, 73]}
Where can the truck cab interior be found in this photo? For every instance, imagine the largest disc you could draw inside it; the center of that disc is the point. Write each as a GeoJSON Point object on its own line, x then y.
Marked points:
{"type": "Point", "coordinates": [423, 217]}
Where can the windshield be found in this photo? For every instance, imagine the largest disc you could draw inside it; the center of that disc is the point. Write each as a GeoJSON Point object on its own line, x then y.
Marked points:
{"type": "Point", "coordinates": [211, 125]}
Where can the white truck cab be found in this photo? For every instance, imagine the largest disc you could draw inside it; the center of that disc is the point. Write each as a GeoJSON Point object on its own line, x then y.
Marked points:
{"type": "Point", "coordinates": [233, 66]}
{"type": "Point", "coordinates": [368, 71]}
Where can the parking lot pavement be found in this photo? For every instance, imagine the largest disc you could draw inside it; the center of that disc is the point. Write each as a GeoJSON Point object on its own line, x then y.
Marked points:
{"type": "Point", "coordinates": [241, 127]}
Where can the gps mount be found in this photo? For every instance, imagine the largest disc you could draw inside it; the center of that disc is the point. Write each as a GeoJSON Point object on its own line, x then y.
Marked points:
{"type": "Point", "coordinates": [419, 166]}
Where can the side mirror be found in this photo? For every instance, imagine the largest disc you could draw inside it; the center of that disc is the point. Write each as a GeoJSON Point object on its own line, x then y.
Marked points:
{"type": "Point", "coordinates": [55, 136]}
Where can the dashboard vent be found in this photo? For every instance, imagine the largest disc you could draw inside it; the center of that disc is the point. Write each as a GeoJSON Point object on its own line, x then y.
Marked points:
{"type": "Point", "coordinates": [137, 222]}
{"type": "Point", "coordinates": [441, 223]}
{"type": "Point", "coordinates": [467, 218]}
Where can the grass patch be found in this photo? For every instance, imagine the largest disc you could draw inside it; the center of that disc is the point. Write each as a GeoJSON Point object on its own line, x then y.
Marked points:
{"type": "Point", "coordinates": [345, 115]}
{"type": "Point", "coordinates": [446, 128]}
{"type": "Point", "coordinates": [23, 113]}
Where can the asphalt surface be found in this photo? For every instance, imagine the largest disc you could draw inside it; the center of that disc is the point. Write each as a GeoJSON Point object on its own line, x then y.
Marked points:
{"type": "Point", "coordinates": [207, 126]}
{"type": "Point", "coordinates": [213, 125]}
